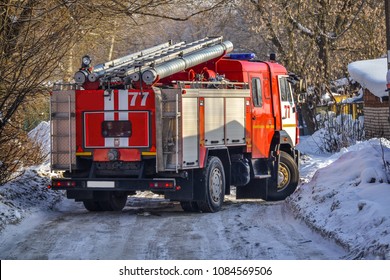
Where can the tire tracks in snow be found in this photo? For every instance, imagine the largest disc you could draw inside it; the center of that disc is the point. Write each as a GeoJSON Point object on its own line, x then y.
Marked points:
{"type": "Point", "coordinates": [158, 229]}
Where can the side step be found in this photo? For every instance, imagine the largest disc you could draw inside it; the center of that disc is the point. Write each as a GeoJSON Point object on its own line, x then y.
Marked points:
{"type": "Point", "coordinates": [262, 176]}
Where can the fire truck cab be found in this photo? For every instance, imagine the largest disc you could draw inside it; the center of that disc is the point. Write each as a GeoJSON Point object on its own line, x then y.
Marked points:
{"type": "Point", "coordinates": [188, 121]}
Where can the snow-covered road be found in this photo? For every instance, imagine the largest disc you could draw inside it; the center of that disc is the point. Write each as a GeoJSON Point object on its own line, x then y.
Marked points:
{"type": "Point", "coordinates": [344, 196]}
{"type": "Point", "coordinates": [153, 228]}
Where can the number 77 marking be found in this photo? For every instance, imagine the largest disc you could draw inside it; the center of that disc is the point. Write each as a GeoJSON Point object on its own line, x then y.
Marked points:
{"type": "Point", "coordinates": [135, 96]}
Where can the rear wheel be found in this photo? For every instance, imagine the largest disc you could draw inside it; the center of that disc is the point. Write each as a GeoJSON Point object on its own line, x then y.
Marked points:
{"type": "Point", "coordinates": [106, 201]}
{"type": "Point", "coordinates": [92, 205]}
{"type": "Point", "coordinates": [286, 181]}
{"type": "Point", "coordinates": [116, 201]}
{"type": "Point", "coordinates": [213, 182]}
{"type": "Point", "coordinates": [189, 206]}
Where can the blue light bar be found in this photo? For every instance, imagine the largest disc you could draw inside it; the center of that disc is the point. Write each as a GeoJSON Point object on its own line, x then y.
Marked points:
{"type": "Point", "coordinates": [242, 56]}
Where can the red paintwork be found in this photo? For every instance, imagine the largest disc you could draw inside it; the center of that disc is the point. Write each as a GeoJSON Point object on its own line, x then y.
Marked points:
{"type": "Point", "coordinates": [124, 154]}
{"type": "Point", "coordinates": [266, 120]}
{"type": "Point", "coordinates": [261, 122]}
{"type": "Point", "coordinates": [90, 114]}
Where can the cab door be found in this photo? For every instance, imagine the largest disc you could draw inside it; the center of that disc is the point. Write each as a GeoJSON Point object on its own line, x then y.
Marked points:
{"type": "Point", "coordinates": [262, 119]}
{"type": "Point", "coordinates": [288, 108]}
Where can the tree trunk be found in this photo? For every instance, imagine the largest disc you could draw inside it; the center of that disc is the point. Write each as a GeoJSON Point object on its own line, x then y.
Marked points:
{"type": "Point", "coordinates": [308, 117]}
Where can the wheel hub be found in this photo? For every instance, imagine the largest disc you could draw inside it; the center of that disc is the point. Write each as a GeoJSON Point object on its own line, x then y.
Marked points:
{"type": "Point", "coordinates": [283, 176]}
{"type": "Point", "coordinates": [215, 184]}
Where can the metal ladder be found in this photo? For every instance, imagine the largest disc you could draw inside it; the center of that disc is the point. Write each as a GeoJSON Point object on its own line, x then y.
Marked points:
{"type": "Point", "coordinates": [170, 120]}
{"type": "Point", "coordinates": [168, 130]}
{"type": "Point", "coordinates": [63, 130]}
{"type": "Point", "coordinates": [151, 57]}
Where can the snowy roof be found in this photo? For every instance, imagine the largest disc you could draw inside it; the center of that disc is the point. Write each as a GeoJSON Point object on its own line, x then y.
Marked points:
{"type": "Point", "coordinates": [370, 74]}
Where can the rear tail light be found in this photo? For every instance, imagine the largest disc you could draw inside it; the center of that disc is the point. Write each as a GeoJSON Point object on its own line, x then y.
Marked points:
{"type": "Point", "coordinates": [63, 184]}
{"type": "Point", "coordinates": [162, 185]}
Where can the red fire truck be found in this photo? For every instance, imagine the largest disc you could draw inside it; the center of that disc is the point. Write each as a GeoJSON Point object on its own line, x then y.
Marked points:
{"type": "Point", "coordinates": [191, 121]}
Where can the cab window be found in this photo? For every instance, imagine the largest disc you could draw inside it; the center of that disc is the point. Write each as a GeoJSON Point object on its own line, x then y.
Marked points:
{"type": "Point", "coordinates": [285, 90]}
{"type": "Point", "coordinates": [257, 92]}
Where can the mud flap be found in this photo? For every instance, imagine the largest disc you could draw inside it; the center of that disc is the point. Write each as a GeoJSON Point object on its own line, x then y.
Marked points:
{"type": "Point", "coordinates": [188, 189]}
{"type": "Point", "coordinates": [257, 188]}
{"type": "Point", "coordinates": [259, 185]}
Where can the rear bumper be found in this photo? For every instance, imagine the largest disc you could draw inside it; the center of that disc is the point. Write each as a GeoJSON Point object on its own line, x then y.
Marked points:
{"type": "Point", "coordinates": [114, 184]}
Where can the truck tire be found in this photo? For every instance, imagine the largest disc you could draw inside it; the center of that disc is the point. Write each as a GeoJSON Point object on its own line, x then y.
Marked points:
{"type": "Point", "coordinates": [115, 202]}
{"type": "Point", "coordinates": [212, 181]}
{"type": "Point", "coordinates": [286, 181]}
{"type": "Point", "coordinates": [189, 206]}
{"type": "Point", "coordinates": [92, 205]}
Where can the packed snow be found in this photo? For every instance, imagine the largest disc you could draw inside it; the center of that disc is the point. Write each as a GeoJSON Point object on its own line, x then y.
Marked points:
{"type": "Point", "coordinates": [344, 196]}
{"type": "Point", "coordinates": [370, 74]}
{"type": "Point", "coordinates": [40, 134]}
{"type": "Point", "coordinates": [357, 98]}
{"type": "Point", "coordinates": [29, 193]}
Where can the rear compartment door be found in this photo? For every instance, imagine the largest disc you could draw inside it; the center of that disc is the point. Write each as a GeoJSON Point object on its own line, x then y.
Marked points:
{"type": "Point", "coordinates": [116, 119]}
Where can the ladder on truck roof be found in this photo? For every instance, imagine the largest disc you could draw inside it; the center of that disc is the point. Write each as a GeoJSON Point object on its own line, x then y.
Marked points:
{"type": "Point", "coordinates": [156, 62]}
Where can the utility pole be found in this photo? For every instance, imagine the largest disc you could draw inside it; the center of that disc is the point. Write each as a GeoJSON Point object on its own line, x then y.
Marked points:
{"type": "Point", "coordinates": [387, 12]}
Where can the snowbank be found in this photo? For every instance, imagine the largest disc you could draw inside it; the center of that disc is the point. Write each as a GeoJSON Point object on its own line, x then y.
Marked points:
{"type": "Point", "coordinates": [370, 74]}
{"type": "Point", "coordinates": [348, 198]}
{"type": "Point", "coordinates": [41, 135]}
{"type": "Point", "coordinates": [27, 194]}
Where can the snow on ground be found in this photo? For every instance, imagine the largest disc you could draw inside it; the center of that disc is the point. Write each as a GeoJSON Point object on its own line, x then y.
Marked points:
{"type": "Point", "coordinates": [345, 196]}
{"type": "Point", "coordinates": [41, 135]}
{"type": "Point", "coordinates": [29, 193]}
{"type": "Point", "coordinates": [25, 195]}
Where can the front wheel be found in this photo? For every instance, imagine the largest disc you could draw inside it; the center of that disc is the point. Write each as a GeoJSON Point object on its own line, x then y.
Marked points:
{"type": "Point", "coordinates": [286, 181]}
{"type": "Point", "coordinates": [213, 183]}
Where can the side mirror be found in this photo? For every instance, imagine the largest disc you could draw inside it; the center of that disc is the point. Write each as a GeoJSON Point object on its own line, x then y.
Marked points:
{"type": "Point", "coordinates": [303, 85]}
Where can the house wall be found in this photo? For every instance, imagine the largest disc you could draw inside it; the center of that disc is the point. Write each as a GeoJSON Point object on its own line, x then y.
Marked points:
{"type": "Point", "coordinates": [376, 116]}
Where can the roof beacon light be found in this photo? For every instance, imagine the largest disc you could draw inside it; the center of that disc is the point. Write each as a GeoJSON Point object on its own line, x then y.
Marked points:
{"type": "Point", "coordinates": [242, 56]}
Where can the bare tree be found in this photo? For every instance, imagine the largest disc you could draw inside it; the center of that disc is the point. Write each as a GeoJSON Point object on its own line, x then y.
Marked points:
{"type": "Point", "coordinates": [310, 36]}
{"type": "Point", "coordinates": [42, 41]}
{"type": "Point", "coordinates": [31, 45]}
{"type": "Point", "coordinates": [315, 39]}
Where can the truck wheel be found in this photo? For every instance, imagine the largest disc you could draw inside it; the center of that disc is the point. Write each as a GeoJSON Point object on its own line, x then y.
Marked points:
{"type": "Point", "coordinates": [116, 202]}
{"type": "Point", "coordinates": [213, 182]}
{"type": "Point", "coordinates": [92, 205]}
{"type": "Point", "coordinates": [287, 178]}
{"type": "Point", "coordinates": [189, 206]}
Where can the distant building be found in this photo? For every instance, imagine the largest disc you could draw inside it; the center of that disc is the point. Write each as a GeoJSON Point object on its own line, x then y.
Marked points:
{"type": "Point", "coordinates": [371, 75]}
